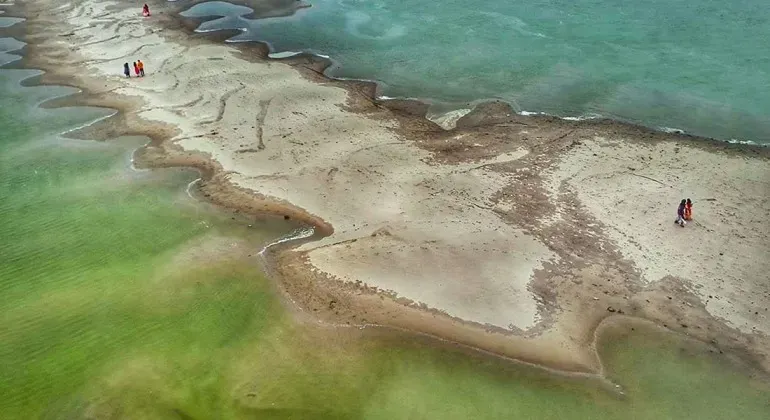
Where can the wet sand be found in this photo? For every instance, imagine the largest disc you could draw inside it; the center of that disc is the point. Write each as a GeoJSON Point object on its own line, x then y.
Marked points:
{"type": "Point", "coordinates": [515, 235]}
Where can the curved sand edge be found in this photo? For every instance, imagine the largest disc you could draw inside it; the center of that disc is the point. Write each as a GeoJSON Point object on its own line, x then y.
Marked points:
{"type": "Point", "coordinates": [450, 213]}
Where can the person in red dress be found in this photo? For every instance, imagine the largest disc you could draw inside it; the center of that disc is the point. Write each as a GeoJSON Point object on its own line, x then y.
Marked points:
{"type": "Point", "coordinates": [688, 210]}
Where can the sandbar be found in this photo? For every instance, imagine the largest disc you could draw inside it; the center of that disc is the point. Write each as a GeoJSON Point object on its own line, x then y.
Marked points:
{"type": "Point", "coordinates": [509, 233]}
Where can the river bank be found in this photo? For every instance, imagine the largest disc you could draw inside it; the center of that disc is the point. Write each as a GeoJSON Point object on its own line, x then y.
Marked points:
{"type": "Point", "coordinates": [512, 234]}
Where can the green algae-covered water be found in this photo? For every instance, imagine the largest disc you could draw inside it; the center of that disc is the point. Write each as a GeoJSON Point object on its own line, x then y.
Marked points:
{"type": "Point", "coordinates": [123, 297]}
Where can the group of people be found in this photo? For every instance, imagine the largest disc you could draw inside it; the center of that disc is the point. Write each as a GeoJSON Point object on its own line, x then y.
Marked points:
{"type": "Point", "coordinates": [138, 65]}
{"type": "Point", "coordinates": [138, 69]}
{"type": "Point", "coordinates": [684, 212]}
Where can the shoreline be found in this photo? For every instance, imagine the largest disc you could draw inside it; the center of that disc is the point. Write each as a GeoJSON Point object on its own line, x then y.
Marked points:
{"type": "Point", "coordinates": [417, 107]}
{"type": "Point", "coordinates": [324, 62]}
{"type": "Point", "coordinates": [220, 190]}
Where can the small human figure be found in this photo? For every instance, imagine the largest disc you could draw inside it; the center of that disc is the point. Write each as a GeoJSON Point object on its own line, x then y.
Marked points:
{"type": "Point", "coordinates": [680, 213]}
{"type": "Point", "coordinates": [146, 10]}
{"type": "Point", "coordinates": [136, 69]}
{"type": "Point", "coordinates": [141, 67]}
{"type": "Point", "coordinates": [126, 71]}
{"type": "Point", "coordinates": [688, 210]}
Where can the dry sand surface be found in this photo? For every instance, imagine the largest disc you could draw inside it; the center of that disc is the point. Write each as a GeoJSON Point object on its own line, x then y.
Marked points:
{"type": "Point", "coordinates": [724, 252]}
{"type": "Point", "coordinates": [513, 234]}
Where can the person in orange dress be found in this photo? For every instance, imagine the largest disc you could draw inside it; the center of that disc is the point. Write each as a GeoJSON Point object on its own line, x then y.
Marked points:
{"type": "Point", "coordinates": [688, 210]}
{"type": "Point", "coordinates": [141, 67]}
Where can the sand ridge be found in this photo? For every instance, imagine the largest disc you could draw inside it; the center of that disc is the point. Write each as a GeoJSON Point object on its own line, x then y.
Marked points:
{"type": "Point", "coordinates": [503, 234]}
{"type": "Point", "coordinates": [273, 132]}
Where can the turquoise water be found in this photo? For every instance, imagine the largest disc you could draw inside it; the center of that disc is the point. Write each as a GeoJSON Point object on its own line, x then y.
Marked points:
{"type": "Point", "coordinates": [697, 65]}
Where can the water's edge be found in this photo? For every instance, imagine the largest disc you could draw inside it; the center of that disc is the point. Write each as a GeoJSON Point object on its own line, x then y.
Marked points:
{"type": "Point", "coordinates": [422, 107]}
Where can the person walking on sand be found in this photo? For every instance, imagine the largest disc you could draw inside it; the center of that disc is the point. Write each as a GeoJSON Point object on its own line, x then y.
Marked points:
{"type": "Point", "coordinates": [141, 67]}
{"type": "Point", "coordinates": [136, 69]}
{"type": "Point", "coordinates": [688, 210]}
{"type": "Point", "coordinates": [680, 213]}
{"type": "Point", "coordinates": [146, 10]}
{"type": "Point", "coordinates": [126, 71]}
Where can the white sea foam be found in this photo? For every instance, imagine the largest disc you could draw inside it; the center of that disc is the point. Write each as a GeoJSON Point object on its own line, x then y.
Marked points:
{"type": "Point", "coordinates": [736, 141]}
{"type": "Point", "coordinates": [284, 54]}
{"type": "Point", "coordinates": [582, 117]}
{"type": "Point", "coordinates": [299, 233]}
{"type": "Point", "coordinates": [88, 124]}
{"type": "Point", "coordinates": [671, 130]}
{"type": "Point", "coordinates": [192, 183]}
{"type": "Point", "coordinates": [578, 118]}
{"type": "Point", "coordinates": [531, 113]}
{"type": "Point", "coordinates": [393, 98]}
{"type": "Point", "coordinates": [132, 165]}
{"type": "Point", "coordinates": [205, 31]}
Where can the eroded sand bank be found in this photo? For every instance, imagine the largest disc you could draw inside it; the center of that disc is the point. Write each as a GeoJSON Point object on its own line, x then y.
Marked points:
{"type": "Point", "coordinates": [513, 234]}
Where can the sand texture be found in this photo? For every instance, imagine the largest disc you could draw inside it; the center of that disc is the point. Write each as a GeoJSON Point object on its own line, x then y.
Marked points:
{"type": "Point", "coordinates": [513, 234]}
